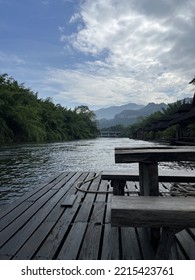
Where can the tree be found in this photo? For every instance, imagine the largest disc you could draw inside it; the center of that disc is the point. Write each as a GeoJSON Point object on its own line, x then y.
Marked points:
{"type": "Point", "coordinates": [25, 118]}
{"type": "Point", "coordinates": [192, 81]}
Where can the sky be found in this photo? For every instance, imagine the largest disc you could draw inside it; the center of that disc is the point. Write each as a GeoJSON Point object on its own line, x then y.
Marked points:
{"type": "Point", "coordinates": [100, 53]}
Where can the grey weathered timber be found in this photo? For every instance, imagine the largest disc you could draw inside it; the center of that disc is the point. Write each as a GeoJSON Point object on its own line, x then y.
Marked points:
{"type": "Point", "coordinates": [37, 227]}
{"type": "Point", "coordinates": [163, 176]}
{"type": "Point", "coordinates": [156, 154]}
{"type": "Point", "coordinates": [69, 200]}
{"type": "Point", "coordinates": [148, 178]}
{"type": "Point", "coordinates": [165, 243]}
{"type": "Point", "coordinates": [130, 249]}
{"type": "Point", "coordinates": [118, 186]}
{"type": "Point", "coordinates": [152, 211]}
{"type": "Point", "coordinates": [119, 178]}
{"type": "Point", "coordinates": [148, 159]}
{"type": "Point", "coordinates": [172, 214]}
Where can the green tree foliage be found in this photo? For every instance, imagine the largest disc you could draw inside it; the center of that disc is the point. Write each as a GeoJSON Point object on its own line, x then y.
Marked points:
{"type": "Point", "coordinates": [25, 118]}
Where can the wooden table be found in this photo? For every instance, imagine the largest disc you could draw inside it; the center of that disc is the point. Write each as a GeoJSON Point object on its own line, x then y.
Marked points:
{"type": "Point", "coordinates": [148, 158]}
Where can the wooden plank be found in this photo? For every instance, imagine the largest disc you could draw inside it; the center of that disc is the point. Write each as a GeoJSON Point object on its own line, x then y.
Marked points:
{"type": "Point", "coordinates": [132, 188]}
{"type": "Point", "coordinates": [23, 234]}
{"type": "Point", "coordinates": [187, 243]}
{"type": "Point", "coordinates": [86, 204]}
{"type": "Point", "coordinates": [49, 249]}
{"type": "Point", "coordinates": [146, 247]}
{"type": "Point", "coordinates": [19, 222]}
{"type": "Point", "coordinates": [70, 248]}
{"type": "Point", "coordinates": [66, 178]}
{"type": "Point", "coordinates": [91, 243]}
{"type": "Point", "coordinates": [103, 187]}
{"type": "Point", "coordinates": [8, 219]}
{"type": "Point", "coordinates": [124, 175]}
{"type": "Point", "coordinates": [93, 188]}
{"type": "Point", "coordinates": [45, 228]}
{"type": "Point", "coordinates": [29, 194]}
{"type": "Point", "coordinates": [38, 237]}
{"type": "Point", "coordinates": [98, 213]}
{"type": "Point", "coordinates": [192, 232]}
{"type": "Point", "coordinates": [108, 213]}
{"type": "Point", "coordinates": [176, 252]}
{"type": "Point", "coordinates": [84, 212]}
{"type": "Point", "coordinates": [69, 200]}
{"type": "Point", "coordinates": [153, 211]}
{"type": "Point", "coordinates": [164, 176]}
{"type": "Point", "coordinates": [165, 243]}
{"type": "Point", "coordinates": [128, 155]}
{"type": "Point", "coordinates": [130, 246]}
{"type": "Point", "coordinates": [111, 245]}
{"type": "Point", "coordinates": [30, 246]}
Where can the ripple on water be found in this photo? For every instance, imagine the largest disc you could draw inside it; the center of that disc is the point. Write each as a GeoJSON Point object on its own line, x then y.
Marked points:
{"type": "Point", "coordinates": [24, 167]}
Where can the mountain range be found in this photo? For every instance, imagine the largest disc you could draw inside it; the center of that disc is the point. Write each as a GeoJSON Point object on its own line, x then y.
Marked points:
{"type": "Point", "coordinates": [110, 112]}
{"type": "Point", "coordinates": [126, 114]}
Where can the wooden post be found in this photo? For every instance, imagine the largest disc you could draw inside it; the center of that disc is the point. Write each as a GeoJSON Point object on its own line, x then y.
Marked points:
{"type": "Point", "coordinates": [118, 186]}
{"type": "Point", "coordinates": [148, 178]}
{"type": "Point", "coordinates": [148, 174]}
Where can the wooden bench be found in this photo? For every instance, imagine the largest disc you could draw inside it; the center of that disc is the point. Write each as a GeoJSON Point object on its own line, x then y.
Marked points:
{"type": "Point", "coordinates": [148, 159]}
{"type": "Point", "coordinates": [119, 178]}
{"type": "Point", "coordinates": [172, 214]}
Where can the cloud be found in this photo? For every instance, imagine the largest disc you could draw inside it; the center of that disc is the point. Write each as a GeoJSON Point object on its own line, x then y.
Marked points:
{"type": "Point", "coordinates": [11, 59]}
{"type": "Point", "coordinates": [136, 49]}
{"type": "Point", "coordinates": [114, 52]}
{"type": "Point", "coordinates": [75, 17]}
{"type": "Point", "coordinates": [45, 2]}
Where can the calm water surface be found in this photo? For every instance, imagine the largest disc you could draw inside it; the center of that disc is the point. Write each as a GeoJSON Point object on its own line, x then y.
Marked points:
{"type": "Point", "coordinates": [24, 167]}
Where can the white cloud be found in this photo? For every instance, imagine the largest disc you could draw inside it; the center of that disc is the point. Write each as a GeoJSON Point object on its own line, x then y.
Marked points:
{"type": "Point", "coordinates": [11, 59]}
{"type": "Point", "coordinates": [142, 51]}
{"type": "Point", "coordinates": [74, 18]}
{"type": "Point", "coordinates": [61, 29]}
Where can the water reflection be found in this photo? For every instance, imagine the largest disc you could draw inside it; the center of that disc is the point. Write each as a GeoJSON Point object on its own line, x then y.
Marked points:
{"type": "Point", "coordinates": [24, 167]}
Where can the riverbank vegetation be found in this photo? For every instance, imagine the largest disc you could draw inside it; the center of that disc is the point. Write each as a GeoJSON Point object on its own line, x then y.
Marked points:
{"type": "Point", "coordinates": [175, 124]}
{"type": "Point", "coordinates": [143, 127]}
{"type": "Point", "coordinates": [26, 118]}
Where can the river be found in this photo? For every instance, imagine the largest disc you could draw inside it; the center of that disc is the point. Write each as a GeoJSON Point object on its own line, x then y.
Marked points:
{"type": "Point", "coordinates": [26, 166]}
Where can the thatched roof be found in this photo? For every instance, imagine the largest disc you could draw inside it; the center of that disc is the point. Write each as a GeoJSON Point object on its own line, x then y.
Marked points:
{"type": "Point", "coordinates": [181, 113]}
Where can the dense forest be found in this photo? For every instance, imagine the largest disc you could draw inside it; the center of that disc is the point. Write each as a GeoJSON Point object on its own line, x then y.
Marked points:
{"type": "Point", "coordinates": [26, 118]}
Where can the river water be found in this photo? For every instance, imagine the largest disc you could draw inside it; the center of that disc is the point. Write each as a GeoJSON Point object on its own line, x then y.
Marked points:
{"type": "Point", "coordinates": [24, 167]}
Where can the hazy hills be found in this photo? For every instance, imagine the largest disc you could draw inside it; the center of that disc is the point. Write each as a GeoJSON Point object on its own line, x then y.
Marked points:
{"type": "Point", "coordinates": [125, 114]}
{"type": "Point", "coordinates": [110, 112]}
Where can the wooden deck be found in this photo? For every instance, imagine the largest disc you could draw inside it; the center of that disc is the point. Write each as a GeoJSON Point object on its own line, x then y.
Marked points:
{"type": "Point", "coordinates": [57, 221]}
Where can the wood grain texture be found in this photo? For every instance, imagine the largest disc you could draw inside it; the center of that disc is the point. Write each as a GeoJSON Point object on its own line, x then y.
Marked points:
{"type": "Point", "coordinates": [149, 211]}
{"type": "Point", "coordinates": [37, 227]}
{"type": "Point", "coordinates": [129, 155]}
{"type": "Point", "coordinates": [163, 176]}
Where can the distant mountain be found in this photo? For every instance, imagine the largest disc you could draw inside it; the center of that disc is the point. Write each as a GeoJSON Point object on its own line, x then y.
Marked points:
{"type": "Point", "coordinates": [128, 117]}
{"type": "Point", "coordinates": [146, 110]}
{"type": "Point", "coordinates": [110, 112]}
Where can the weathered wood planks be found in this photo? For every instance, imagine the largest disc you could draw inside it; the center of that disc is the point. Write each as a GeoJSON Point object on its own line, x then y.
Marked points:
{"type": "Point", "coordinates": [148, 211]}
{"type": "Point", "coordinates": [38, 227]}
{"type": "Point", "coordinates": [154, 154]}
